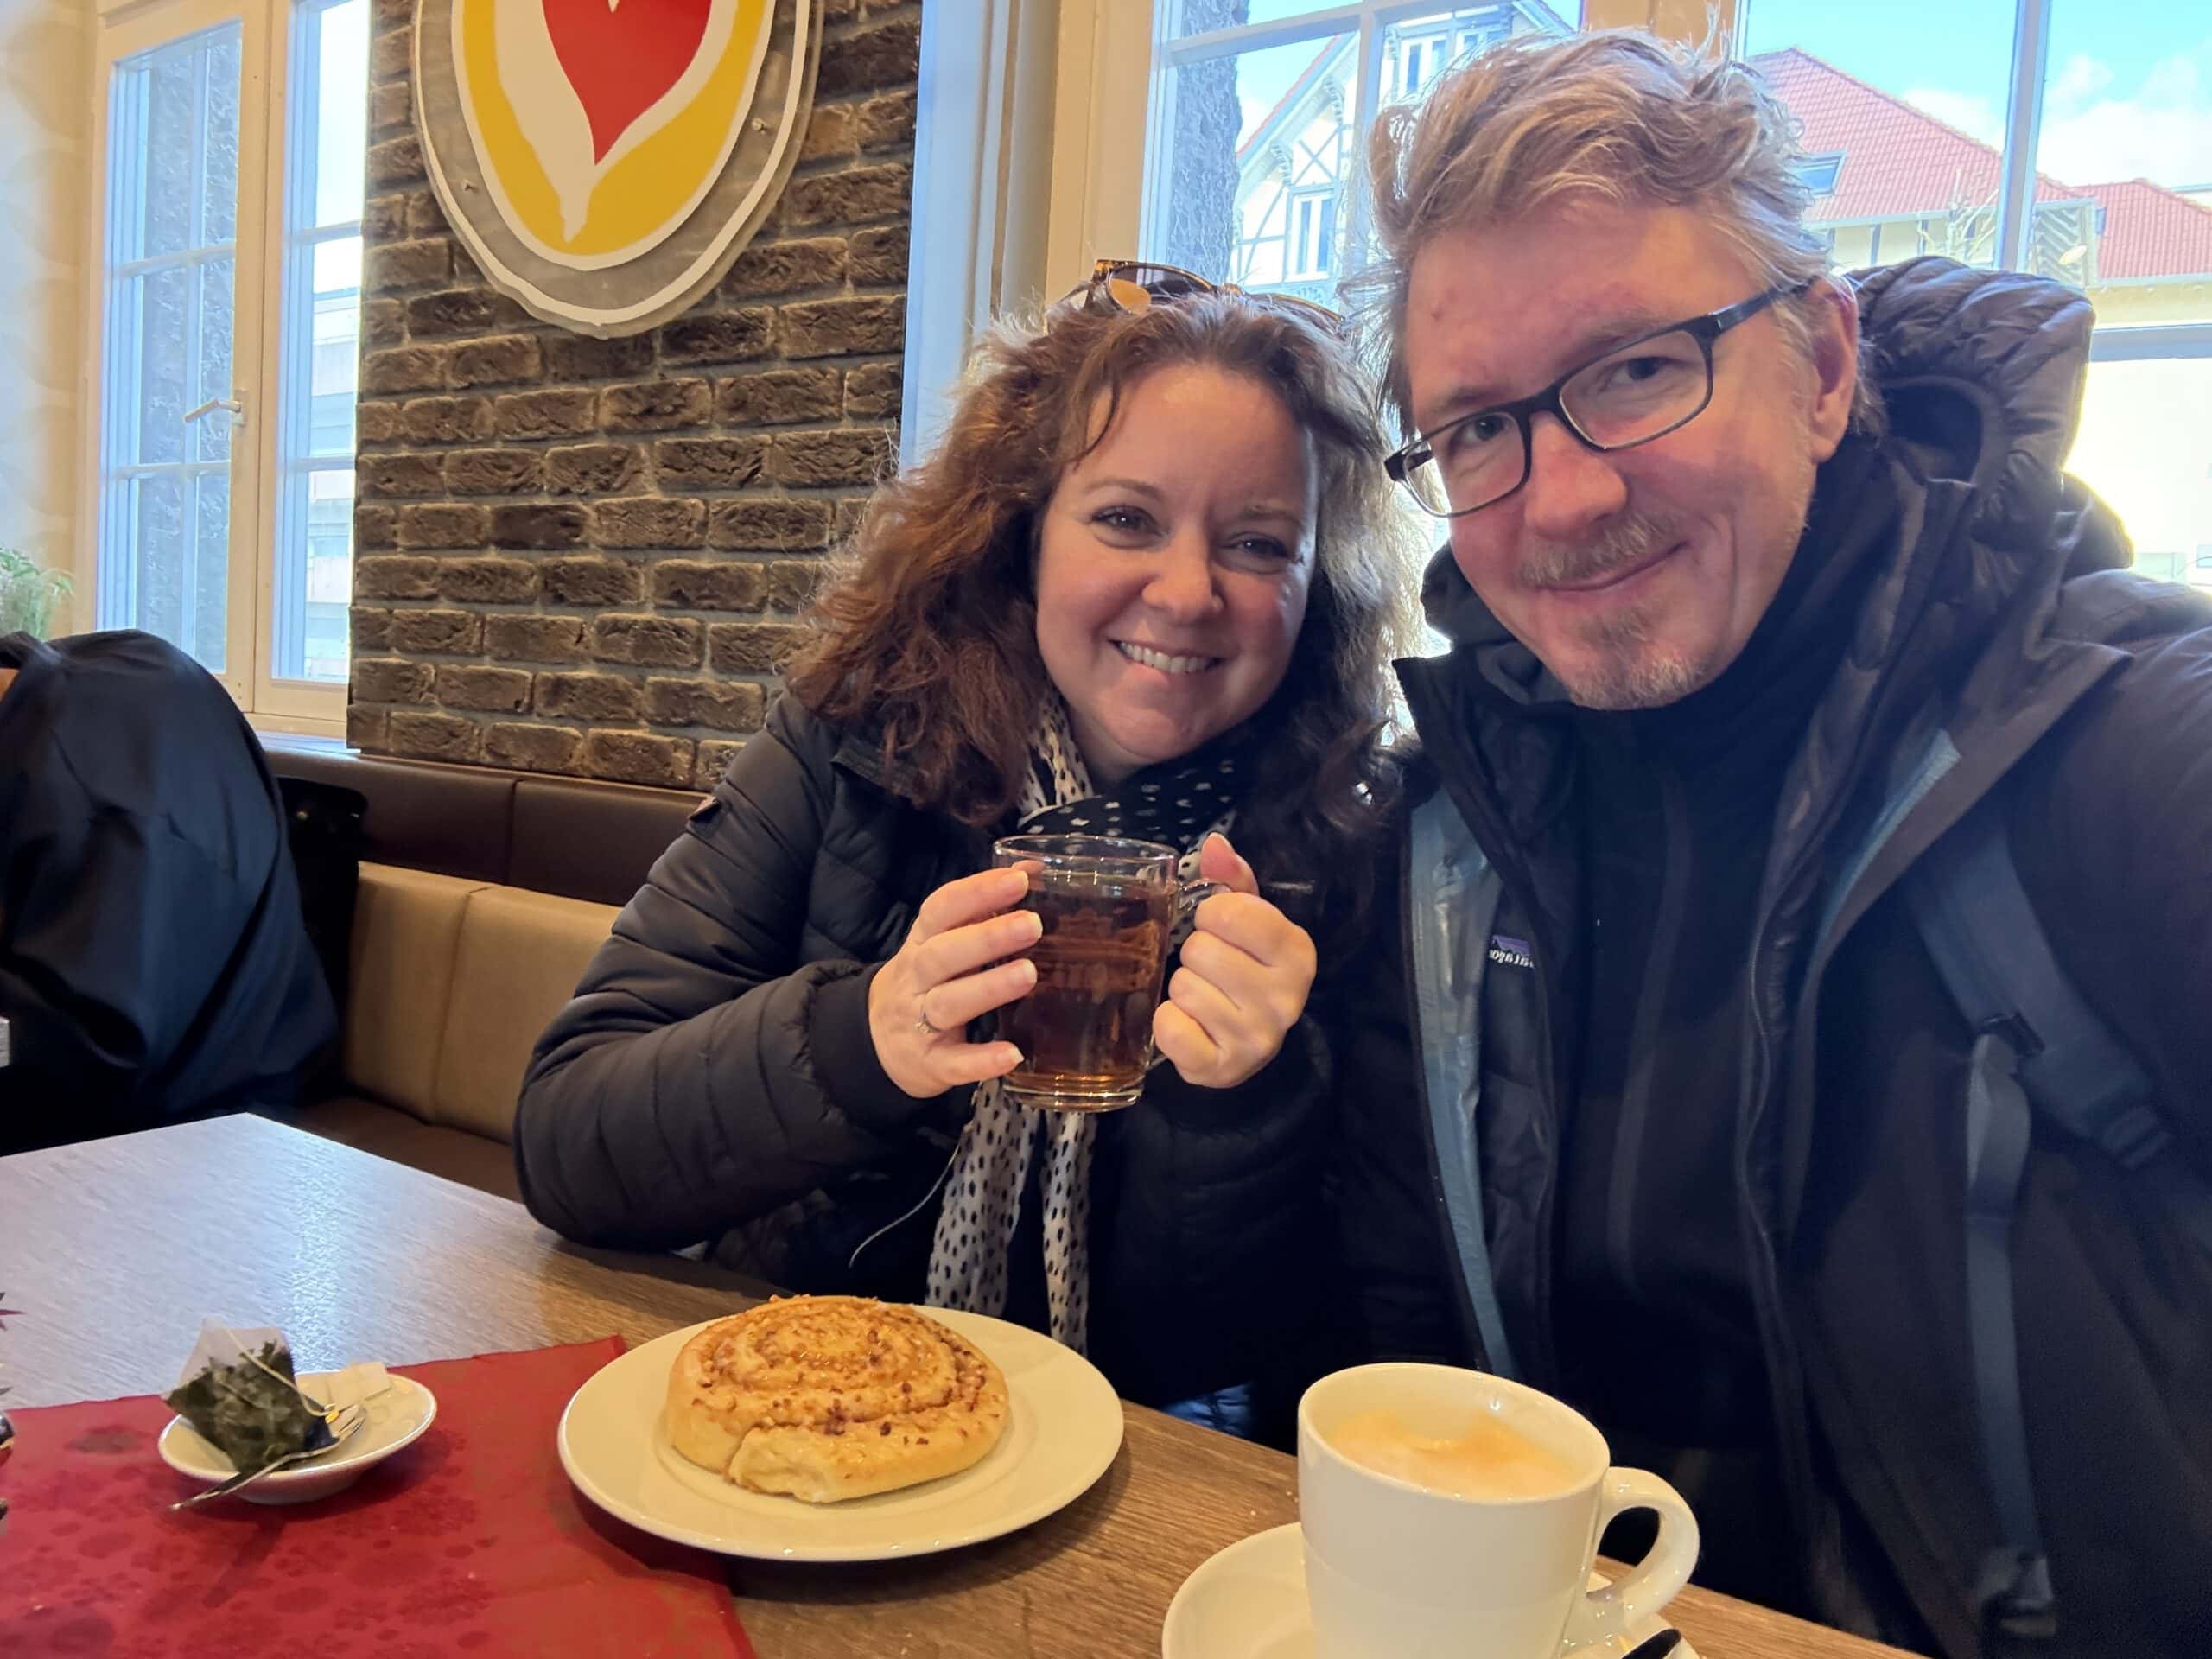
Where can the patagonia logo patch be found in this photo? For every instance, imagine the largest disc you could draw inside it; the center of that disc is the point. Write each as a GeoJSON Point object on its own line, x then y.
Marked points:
{"type": "Point", "coordinates": [1509, 952]}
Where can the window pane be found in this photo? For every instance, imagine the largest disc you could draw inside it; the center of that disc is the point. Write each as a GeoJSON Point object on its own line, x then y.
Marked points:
{"type": "Point", "coordinates": [337, 266]}
{"type": "Point", "coordinates": [157, 537]}
{"type": "Point", "coordinates": [333, 371]}
{"type": "Point", "coordinates": [2124, 164]}
{"type": "Point", "coordinates": [1269, 209]}
{"type": "Point", "coordinates": [172, 202]}
{"type": "Point", "coordinates": [218, 160]}
{"type": "Point", "coordinates": [321, 355]}
{"type": "Point", "coordinates": [330, 571]}
{"type": "Point", "coordinates": [2123, 210]}
{"type": "Point", "coordinates": [211, 433]}
{"type": "Point", "coordinates": [163, 317]}
{"type": "Point", "coordinates": [2146, 445]}
{"type": "Point", "coordinates": [210, 570]}
{"type": "Point", "coordinates": [167, 80]}
{"type": "Point", "coordinates": [1903, 108]}
{"type": "Point", "coordinates": [342, 101]}
{"type": "Point", "coordinates": [1250, 132]}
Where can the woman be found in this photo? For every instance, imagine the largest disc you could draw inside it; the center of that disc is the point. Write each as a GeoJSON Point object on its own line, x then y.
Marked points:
{"type": "Point", "coordinates": [1154, 549]}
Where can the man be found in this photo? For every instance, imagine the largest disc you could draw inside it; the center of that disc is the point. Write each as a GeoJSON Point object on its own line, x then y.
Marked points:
{"type": "Point", "coordinates": [153, 961]}
{"type": "Point", "coordinates": [1767, 596]}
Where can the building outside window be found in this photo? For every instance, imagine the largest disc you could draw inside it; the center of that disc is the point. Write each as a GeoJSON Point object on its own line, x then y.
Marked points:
{"type": "Point", "coordinates": [1908, 121]}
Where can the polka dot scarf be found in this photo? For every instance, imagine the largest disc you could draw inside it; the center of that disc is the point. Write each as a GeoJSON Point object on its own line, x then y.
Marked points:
{"type": "Point", "coordinates": [1179, 805]}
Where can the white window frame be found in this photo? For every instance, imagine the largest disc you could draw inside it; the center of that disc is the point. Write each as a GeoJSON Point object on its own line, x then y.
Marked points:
{"type": "Point", "coordinates": [124, 31]}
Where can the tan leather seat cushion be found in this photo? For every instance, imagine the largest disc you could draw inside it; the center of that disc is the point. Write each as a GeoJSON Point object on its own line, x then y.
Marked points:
{"type": "Point", "coordinates": [406, 936]}
{"type": "Point", "coordinates": [453, 982]}
{"type": "Point", "coordinates": [521, 955]}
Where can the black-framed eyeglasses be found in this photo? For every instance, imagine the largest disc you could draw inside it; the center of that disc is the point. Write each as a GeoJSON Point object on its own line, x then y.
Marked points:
{"type": "Point", "coordinates": [1135, 285]}
{"type": "Point", "coordinates": [1632, 394]}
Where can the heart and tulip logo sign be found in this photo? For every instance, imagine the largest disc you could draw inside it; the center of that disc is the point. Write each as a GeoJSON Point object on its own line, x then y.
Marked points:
{"type": "Point", "coordinates": [604, 161]}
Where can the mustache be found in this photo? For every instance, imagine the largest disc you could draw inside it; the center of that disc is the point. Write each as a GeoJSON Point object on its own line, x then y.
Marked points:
{"type": "Point", "coordinates": [1621, 544]}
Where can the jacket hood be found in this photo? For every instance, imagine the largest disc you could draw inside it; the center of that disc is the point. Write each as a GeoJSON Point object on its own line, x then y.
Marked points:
{"type": "Point", "coordinates": [1981, 375]}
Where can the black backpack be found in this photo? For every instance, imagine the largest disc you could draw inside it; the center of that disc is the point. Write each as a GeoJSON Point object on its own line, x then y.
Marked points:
{"type": "Point", "coordinates": [323, 832]}
{"type": "Point", "coordinates": [2039, 1049]}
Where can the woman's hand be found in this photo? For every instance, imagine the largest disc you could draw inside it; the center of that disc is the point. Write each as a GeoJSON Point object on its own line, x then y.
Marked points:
{"type": "Point", "coordinates": [920, 1001]}
{"type": "Point", "coordinates": [1246, 970]}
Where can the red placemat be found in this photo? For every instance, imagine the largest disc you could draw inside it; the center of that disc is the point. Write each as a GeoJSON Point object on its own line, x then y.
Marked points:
{"type": "Point", "coordinates": [471, 1541]}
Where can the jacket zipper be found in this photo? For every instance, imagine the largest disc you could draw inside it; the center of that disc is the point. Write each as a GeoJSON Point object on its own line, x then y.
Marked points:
{"type": "Point", "coordinates": [1636, 1093]}
{"type": "Point", "coordinates": [1786, 1380]}
{"type": "Point", "coordinates": [1462, 1301]}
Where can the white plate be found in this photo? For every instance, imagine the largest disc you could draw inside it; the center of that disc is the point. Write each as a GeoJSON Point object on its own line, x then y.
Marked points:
{"type": "Point", "coordinates": [1249, 1602]}
{"type": "Point", "coordinates": [396, 1419]}
{"type": "Point", "coordinates": [1063, 1428]}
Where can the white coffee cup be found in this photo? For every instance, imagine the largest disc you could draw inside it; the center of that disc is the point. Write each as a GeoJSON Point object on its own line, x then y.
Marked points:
{"type": "Point", "coordinates": [1397, 1571]}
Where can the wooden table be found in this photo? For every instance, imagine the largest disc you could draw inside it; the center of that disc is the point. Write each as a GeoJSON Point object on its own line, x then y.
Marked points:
{"type": "Point", "coordinates": [113, 1251]}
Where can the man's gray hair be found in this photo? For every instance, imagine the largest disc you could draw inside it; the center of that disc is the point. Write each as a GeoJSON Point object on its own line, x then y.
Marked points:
{"type": "Point", "coordinates": [1618, 116]}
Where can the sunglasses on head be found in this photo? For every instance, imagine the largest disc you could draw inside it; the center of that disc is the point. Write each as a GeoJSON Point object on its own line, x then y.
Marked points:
{"type": "Point", "coordinates": [1133, 285]}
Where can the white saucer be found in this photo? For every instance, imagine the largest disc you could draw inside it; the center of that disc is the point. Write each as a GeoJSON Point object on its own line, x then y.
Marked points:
{"type": "Point", "coordinates": [1062, 1430]}
{"type": "Point", "coordinates": [396, 1418]}
{"type": "Point", "coordinates": [1249, 1602]}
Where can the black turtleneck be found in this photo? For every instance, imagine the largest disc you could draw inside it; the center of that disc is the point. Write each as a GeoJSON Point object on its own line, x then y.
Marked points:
{"type": "Point", "coordinates": [1676, 806]}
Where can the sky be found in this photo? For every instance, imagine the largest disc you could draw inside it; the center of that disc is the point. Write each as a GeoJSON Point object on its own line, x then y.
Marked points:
{"type": "Point", "coordinates": [2129, 92]}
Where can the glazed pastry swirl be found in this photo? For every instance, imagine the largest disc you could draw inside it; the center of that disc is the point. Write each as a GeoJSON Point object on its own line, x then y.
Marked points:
{"type": "Point", "coordinates": [829, 1397]}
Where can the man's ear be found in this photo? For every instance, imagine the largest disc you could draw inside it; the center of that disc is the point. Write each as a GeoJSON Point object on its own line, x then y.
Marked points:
{"type": "Point", "coordinates": [1833, 320]}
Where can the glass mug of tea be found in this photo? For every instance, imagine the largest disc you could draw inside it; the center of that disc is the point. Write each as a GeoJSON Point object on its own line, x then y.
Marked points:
{"type": "Point", "coordinates": [1108, 906]}
{"type": "Point", "coordinates": [1447, 1512]}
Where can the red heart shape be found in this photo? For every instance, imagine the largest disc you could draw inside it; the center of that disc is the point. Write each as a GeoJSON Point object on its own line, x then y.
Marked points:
{"type": "Point", "coordinates": [622, 55]}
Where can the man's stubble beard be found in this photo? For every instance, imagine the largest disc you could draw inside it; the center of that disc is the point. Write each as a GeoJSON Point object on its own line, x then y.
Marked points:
{"type": "Point", "coordinates": [1632, 670]}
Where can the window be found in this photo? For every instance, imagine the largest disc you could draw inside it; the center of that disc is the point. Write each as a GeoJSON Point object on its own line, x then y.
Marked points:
{"type": "Point", "coordinates": [1418, 59]}
{"type": "Point", "coordinates": [173, 232]}
{"type": "Point", "coordinates": [227, 338]}
{"type": "Point", "coordinates": [320, 316]}
{"type": "Point", "coordinates": [2092, 175]}
{"type": "Point", "coordinates": [1820, 174]}
{"type": "Point", "coordinates": [1298, 87]}
{"type": "Point", "coordinates": [1313, 234]}
{"type": "Point", "coordinates": [1275, 209]}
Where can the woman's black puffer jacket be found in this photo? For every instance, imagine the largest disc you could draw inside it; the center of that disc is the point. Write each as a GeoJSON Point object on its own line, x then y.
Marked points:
{"type": "Point", "coordinates": [715, 1079]}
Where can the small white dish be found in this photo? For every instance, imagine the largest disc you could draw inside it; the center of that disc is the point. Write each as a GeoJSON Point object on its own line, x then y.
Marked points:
{"type": "Point", "coordinates": [1249, 1602]}
{"type": "Point", "coordinates": [396, 1418]}
{"type": "Point", "coordinates": [1064, 1428]}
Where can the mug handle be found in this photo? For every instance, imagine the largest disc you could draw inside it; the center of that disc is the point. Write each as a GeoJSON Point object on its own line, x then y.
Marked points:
{"type": "Point", "coordinates": [1604, 1615]}
{"type": "Point", "coordinates": [1189, 895]}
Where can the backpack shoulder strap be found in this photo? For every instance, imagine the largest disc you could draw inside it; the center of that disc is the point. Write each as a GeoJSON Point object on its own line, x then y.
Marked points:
{"type": "Point", "coordinates": [1981, 929]}
{"type": "Point", "coordinates": [2039, 1049]}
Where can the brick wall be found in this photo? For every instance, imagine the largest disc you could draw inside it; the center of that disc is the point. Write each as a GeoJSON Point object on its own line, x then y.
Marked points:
{"type": "Point", "coordinates": [581, 556]}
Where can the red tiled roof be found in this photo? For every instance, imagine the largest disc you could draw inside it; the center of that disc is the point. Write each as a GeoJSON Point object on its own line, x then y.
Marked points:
{"type": "Point", "coordinates": [2150, 231]}
{"type": "Point", "coordinates": [1899, 160]}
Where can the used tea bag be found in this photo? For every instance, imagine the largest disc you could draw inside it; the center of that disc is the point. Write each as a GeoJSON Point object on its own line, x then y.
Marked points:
{"type": "Point", "coordinates": [251, 1416]}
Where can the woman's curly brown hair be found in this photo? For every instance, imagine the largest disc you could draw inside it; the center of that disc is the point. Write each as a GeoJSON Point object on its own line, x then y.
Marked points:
{"type": "Point", "coordinates": [925, 629]}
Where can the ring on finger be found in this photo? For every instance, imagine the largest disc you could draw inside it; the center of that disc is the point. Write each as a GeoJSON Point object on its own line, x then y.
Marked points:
{"type": "Point", "coordinates": [921, 1022]}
